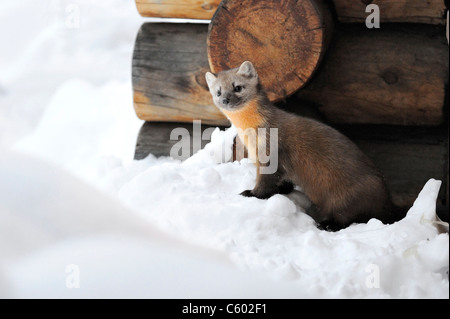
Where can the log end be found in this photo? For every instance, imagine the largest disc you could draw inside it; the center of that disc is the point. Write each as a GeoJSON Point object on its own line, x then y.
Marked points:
{"type": "Point", "coordinates": [285, 41]}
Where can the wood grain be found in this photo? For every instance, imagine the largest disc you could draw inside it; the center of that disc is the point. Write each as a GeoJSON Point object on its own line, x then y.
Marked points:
{"type": "Point", "coordinates": [393, 75]}
{"type": "Point", "coordinates": [348, 11]}
{"type": "Point", "coordinates": [408, 157]}
{"type": "Point", "coordinates": [168, 72]}
{"type": "Point", "coordinates": [187, 9]}
{"type": "Point", "coordinates": [413, 11]}
{"type": "Point", "coordinates": [285, 40]}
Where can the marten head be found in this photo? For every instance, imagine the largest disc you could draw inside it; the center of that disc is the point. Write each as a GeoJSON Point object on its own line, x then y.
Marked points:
{"type": "Point", "coordinates": [232, 89]}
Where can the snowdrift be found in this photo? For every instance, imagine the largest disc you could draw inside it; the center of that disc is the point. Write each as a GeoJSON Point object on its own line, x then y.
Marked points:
{"type": "Point", "coordinates": [79, 218]}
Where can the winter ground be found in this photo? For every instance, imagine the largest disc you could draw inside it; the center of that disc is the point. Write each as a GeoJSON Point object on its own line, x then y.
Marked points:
{"type": "Point", "coordinates": [80, 218]}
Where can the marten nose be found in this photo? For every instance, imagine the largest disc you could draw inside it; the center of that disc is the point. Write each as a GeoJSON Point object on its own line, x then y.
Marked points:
{"type": "Point", "coordinates": [226, 101]}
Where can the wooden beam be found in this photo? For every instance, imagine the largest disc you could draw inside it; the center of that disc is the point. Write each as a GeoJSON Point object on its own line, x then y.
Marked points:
{"type": "Point", "coordinates": [408, 157]}
{"type": "Point", "coordinates": [168, 73]}
{"type": "Point", "coordinates": [392, 75]}
{"type": "Point", "coordinates": [155, 138]}
{"type": "Point", "coordinates": [186, 9]}
{"type": "Point", "coordinates": [411, 11]}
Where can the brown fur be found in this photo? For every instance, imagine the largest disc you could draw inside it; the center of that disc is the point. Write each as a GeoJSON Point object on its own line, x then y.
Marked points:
{"type": "Point", "coordinates": [339, 179]}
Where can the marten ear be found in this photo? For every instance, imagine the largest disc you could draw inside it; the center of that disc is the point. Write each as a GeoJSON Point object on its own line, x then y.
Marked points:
{"type": "Point", "coordinates": [210, 78]}
{"type": "Point", "coordinates": [247, 69]}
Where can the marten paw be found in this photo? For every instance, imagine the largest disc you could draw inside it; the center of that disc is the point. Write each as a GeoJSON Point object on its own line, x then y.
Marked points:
{"type": "Point", "coordinates": [247, 193]}
{"type": "Point", "coordinates": [253, 193]}
{"type": "Point", "coordinates": [285, 187]}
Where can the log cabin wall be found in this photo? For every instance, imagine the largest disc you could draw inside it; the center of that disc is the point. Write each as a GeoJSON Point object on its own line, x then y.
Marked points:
{"type": "Point", "coordinates": [386, 88]}
{"type": "Point", "coordinates": [347, 11]}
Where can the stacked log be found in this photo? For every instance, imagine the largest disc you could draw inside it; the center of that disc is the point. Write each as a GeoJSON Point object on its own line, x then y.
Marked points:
{"type": "Point", "coordinates": [393, 75]}
{"type": "Point", "coordinates": [347, 11]}
{"type": "Point", "coordinates": [386, 88]}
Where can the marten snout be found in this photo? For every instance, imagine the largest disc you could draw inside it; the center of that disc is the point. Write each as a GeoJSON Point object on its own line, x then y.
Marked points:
{"type": "Point", "coordinates": [226, 99]}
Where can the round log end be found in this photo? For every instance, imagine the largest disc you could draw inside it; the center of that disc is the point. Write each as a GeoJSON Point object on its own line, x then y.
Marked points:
{"type": "Point", "coordinates": [285, 40]}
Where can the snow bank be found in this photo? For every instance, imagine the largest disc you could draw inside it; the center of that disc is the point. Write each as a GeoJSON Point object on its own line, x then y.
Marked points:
{"type": "Point", "coordinates": [50, 222]}
{"type": "Point", "coordinates": [61, 238]}
{"type": "Point", "coordinates": [45, 44]}
{"type": "Point", "coordinates": [198, 200]}
{"type": "Point", "coordinates": [85, 127]}
{"type": "Point", "coordinates": [79, 218]}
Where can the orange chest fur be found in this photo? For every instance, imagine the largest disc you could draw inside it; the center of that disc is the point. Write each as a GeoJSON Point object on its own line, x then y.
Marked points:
{"type": "Point", "coordinates": [247, 120]}
{"type": "Point", "coordinates": [246, 117]}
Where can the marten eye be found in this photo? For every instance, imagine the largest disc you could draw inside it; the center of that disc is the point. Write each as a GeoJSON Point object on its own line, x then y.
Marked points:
{"type": "Point", "coordinates": [219, 93]}
{"type": "Point", "coordinates": [238, 88]}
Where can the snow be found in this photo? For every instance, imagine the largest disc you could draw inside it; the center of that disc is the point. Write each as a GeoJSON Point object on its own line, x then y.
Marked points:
{"type": "Point", "coordinates": [80, 218]}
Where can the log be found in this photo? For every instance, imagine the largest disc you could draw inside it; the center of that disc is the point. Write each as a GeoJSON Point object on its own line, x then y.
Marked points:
{"type": "Point", "coordinates": [285, 40]}
{"type": "Point", "coordinates": [155, 138]}
{"type": "Point", "coordinates": [408, 157]}
{"type": "Point", "coordinates": [187, 9]}
{"type": "Point", "coordinates": [393, 75]}
{"type": "Point", "coordinates": [168, 74]}
{"type": "Point", "coordinates": [413, 11]}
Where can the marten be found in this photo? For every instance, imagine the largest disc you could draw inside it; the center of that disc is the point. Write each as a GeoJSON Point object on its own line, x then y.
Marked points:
{"type": "Point", "coordinates": [340, 181]}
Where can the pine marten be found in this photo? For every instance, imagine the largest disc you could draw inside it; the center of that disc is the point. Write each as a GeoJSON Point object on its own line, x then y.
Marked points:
{"type": "Point", "coordinates": [342, 183]}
